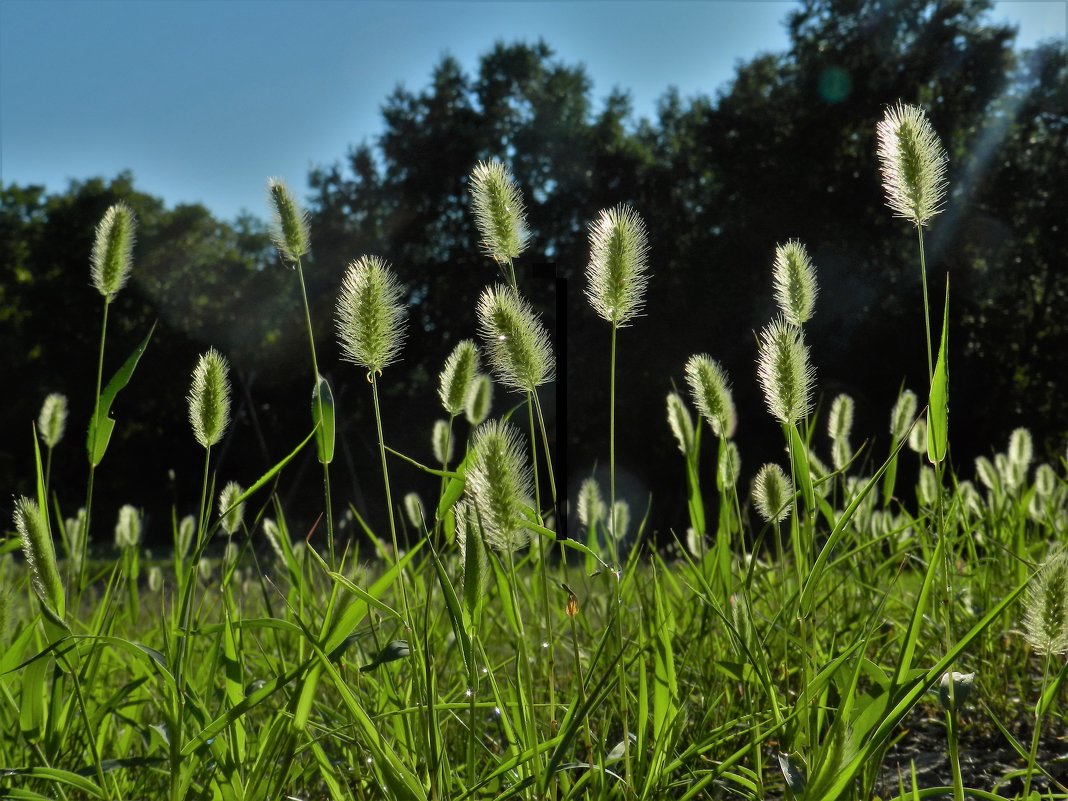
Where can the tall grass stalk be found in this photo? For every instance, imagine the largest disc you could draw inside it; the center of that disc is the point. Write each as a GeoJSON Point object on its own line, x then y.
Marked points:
{"type": "Point", "coordinates": [111, 262]}
{"type": "Point", "coordinates": [290, 234]}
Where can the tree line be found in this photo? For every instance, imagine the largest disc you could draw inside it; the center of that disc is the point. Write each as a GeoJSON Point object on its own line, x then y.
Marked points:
{"type": "Point", "coordinates": [785, 151]}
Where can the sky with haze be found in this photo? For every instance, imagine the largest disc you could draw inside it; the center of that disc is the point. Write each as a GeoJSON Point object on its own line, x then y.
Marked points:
{"type": "Point", "coordinates": [204, 100]}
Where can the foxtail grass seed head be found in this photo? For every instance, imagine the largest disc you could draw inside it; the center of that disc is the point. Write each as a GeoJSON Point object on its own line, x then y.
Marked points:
{"type": "Point", "coordinates": [1010, 473]}
{"type": "Point", "coordinates": [274, 538]}
{"type": "Point", "coordinates": [711, 394]}
{"type": "Point", "coordinates": [927, 489]}
{"type": "Point", "coordinates": [128, 527]}
{"type": "Point", "coordinates": [204, 569]}
{"type": "Point", "coordinates": [1046, 607]}
{"type": "Point", "coordinates": [772, 492]}
{"type": "Point", "coordinates": [473, 556]}
{"type": "Point", "coordinates": [289, 222]}
{"type": "Point", "coordinates": [913, 163]}
{"type": "Point", "coordinates": [517, 343]}
{"type": "Point", "coordinates": [500, 484]}
{"type": "Point", "coordinates": [729, 467]}
{"type": "Point", "coordinates": [184, 537]}
{"type": "Point", "coordinates": [40, 555]}
{"type": "Point", "coordinates": [970, 499]}
{"type": "Point", "coordinates": [840, 420]}
{"type": "Point", "coordinates": [620, 522]}
{"type": "Point", "coordinates": [209, 398]}
{"type": "Point", "coordinates": [232, 514]}
{"type": "Point", "coordinates": [902, 415]}
{"type": "Point", "coordinates": [841, 453]}
{"type": "Point", "coordinates": [456, 377]}
{"type": "Point", "coordinates": [681, 422]}
{"type": "Point", "coordinates": [1045, 481]}
{"type": "Point", "coordinates": [479, 400]}
{"type": "Point", "coordinates": [591, 506]}
{"type": "Point", "coordinates": [413, 508]}
{"type": "Point", "coordinates": [618, 272]}
{"type": "Point", "coordinates": [441, 440]}
{"type": "Point", "coordinates": [370, 314]}
{"type": "Point", "coordinates": [918, 437]}
{"type": "Point", "coordinates": [986, 473]}
{"type": "Point", "coordinates": [52, 421]}
{"type": "Point", "coordinates": [500, 214]}
{"type": "Point", "coordinates": [75, 530]}
{"type": "Point", "coordinates": [794, 278]}
{"type": "Point", "coordinates": [1021, 449]}
{"type": "Point", "coordinates": [155, 578]}
{"type": "Point", "coordinates": [112, 256]}
{"type": "Point", "coordinates": [785, 373]}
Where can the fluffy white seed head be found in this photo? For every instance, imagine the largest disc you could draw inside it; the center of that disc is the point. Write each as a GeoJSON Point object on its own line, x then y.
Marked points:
{"type": "Point", "coordinates": [918, 437]}
{"type": "Point", "coordinates": [620, 522]}
{"type": "Point", "coordinates": [112, 257]}
{"type": "Point", "coordinates": [772, 492]}
{"type": "Point", "coordinates": [52, 421]}
{"type": "Point", "coordinates": [913, 163]}
{"type": "Point", "coordinates": [232, 514]}
{"type": "Point", "coordinates": [681, 422]}
{"type": "Point", "coordinates": [209, 398]}
{"type": "Point", "coordinates": [460, 369]}
{"type": "Point", "coordinates": [479, 400]}
{"type": "Point", "coordinates": [902, 415]}
{"type": "Point", "coordinates": [500, 485]}
{"type": "Point", "coordinates": [500, 214]}
{"type": "Point", "coordinates": [441, 440]}
{"type": "Point", "coordinates": [370, 314]}
{"type": "Point", "coordinates": [1021, 449]}
{"type": "Point", "coordinates": [794, 278]}
{"type": "Point", "coordinates": [128, 527]}
{"type": "Point", "coordinates": [415, 511]}
{"type": "Point", "coordinates": [840, 420]}
{"type": "Point", "coordinates": [711, 394]}
{"type": "Point", "coordinates": [1046, 607]}
{"type": "Point", "coordinates": [516, 341]}
{"type": "Point", "coordinates": [591, 506]}
{"type": "Point", "coordinates": [289, 222]}
{"type": "Point", "coordinates": [728, 467]}
{"type": "Point", "coordinates": [618, 272]}
{"type": "Point", "coordinates": [40, 554]}
{"type": "Point", "coordinates": [785, 373]}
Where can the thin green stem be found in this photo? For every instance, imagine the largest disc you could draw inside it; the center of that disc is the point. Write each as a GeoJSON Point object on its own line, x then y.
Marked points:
{"type": "Point", "coordinates": [319, 400]}
{"type": "Point", "coordinates": [389, 503]}
{"type": "Point", "coordinates": [926, 306]}
{"type": "Point", "coordinates": [549, 642]}
{"type": "Point", "coordinates": [185, 614]}
{"type": "Point", "coordinates": [954, 748]}
{"type": "Point", "coordinates": [545, 446]}
{"type": "Point", "coordinates": [612, 452]}
{"type": "Point", "coordinates": [92, 467]}
{"type": "Point", "coordinates": [1033, 755]}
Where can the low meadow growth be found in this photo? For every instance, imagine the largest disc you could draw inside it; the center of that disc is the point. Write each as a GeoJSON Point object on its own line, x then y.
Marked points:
{"type": "Point", "coordinates": [811, 629]}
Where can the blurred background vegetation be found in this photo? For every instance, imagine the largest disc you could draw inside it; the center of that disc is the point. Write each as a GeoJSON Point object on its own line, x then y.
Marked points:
{"type": "Point", "coordinates": [785, 151]}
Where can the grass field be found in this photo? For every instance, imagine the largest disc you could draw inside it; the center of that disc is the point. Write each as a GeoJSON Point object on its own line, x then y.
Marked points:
{"type": "Point", "coordinates": [818, 630]}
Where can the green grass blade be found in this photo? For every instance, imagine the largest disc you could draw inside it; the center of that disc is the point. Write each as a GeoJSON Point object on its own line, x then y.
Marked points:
{"type": "Point", "coordinates": [912, 694]}
{"type": "Point", "coordinates": [938, 408]}
{"type": "Point", "coordinates": [75, 780]}
{"type": "Point", "coordinates": [802, 471]}
{"type": "Point", "coordinates": [101, 426]}
{"type": "Point", "coordinates": [323, 419]}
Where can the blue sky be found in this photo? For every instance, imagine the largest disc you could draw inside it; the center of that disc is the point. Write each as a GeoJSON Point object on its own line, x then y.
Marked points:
{"type": "Point", "coordinates": [204, 100]}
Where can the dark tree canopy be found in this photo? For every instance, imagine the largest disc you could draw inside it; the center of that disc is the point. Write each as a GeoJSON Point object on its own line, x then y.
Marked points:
{"type": "Point", "coordinates": [786, 150]}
